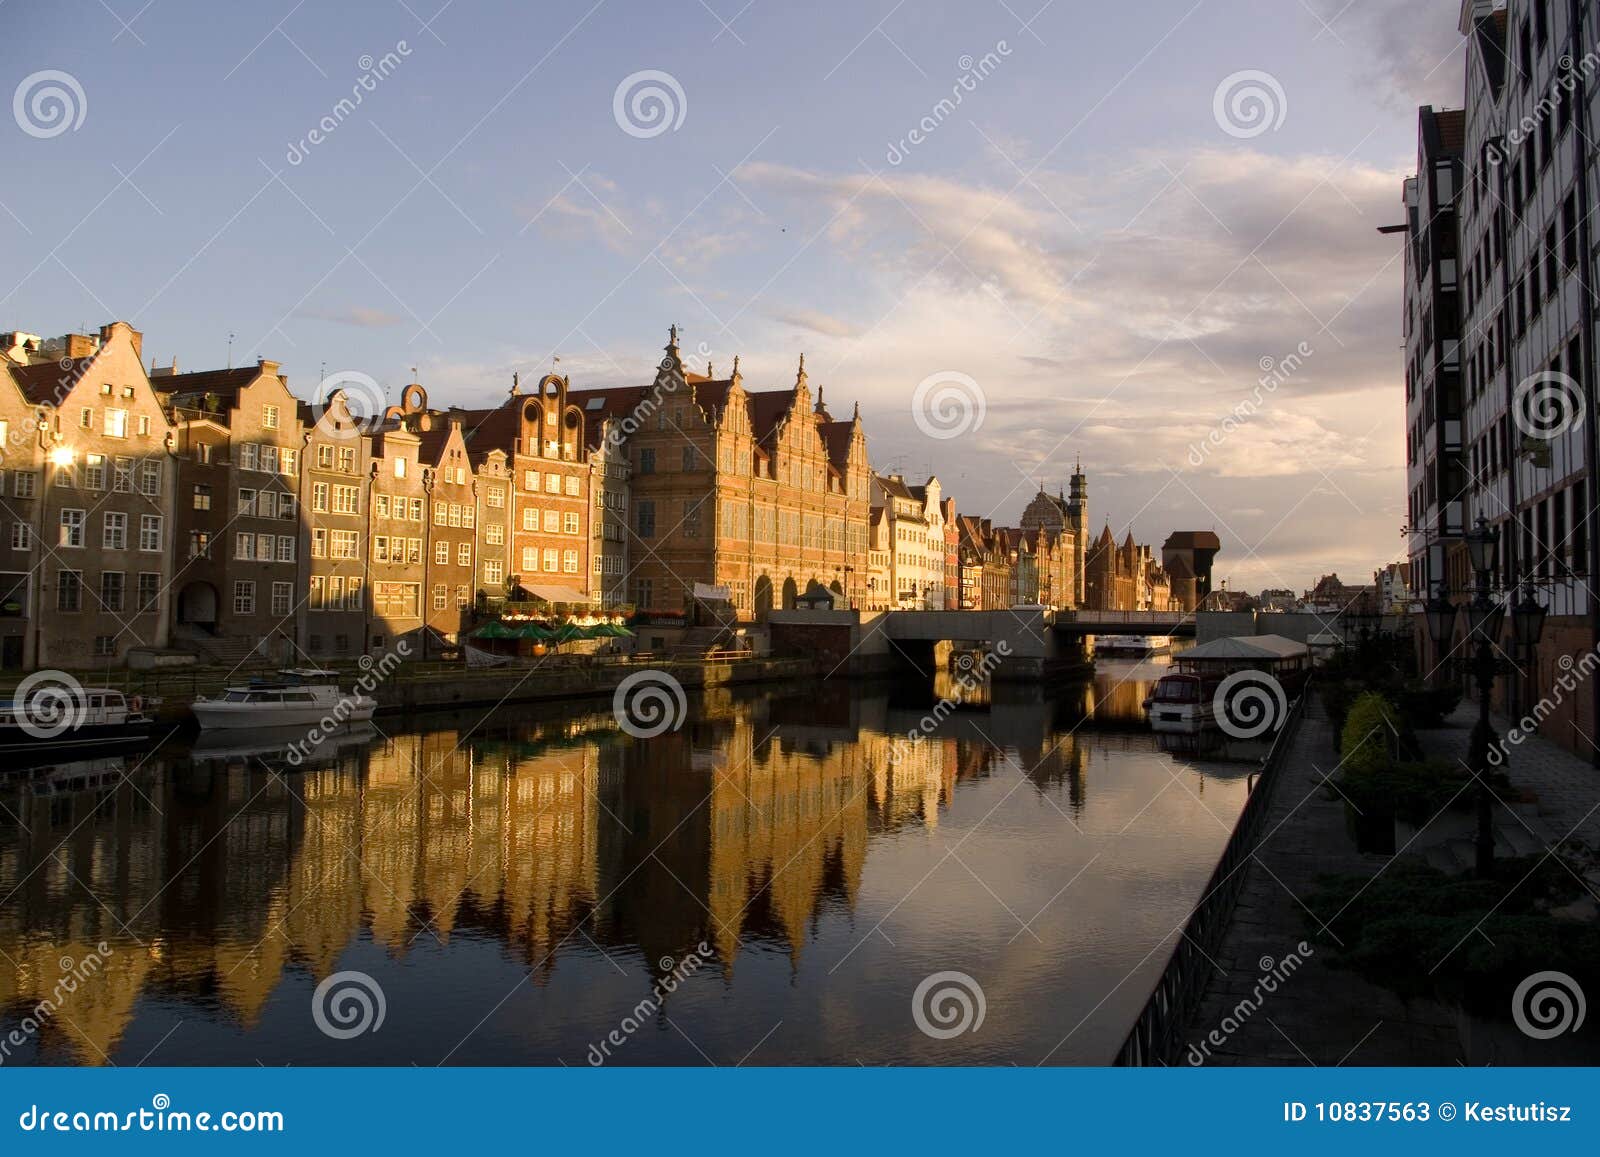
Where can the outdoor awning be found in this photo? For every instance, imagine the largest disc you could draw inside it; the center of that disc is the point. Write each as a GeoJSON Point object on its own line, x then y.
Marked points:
{"type": "Point", "coordinates": [556, 594]}
{"type": "Point", "coordinates": [1245, 647]}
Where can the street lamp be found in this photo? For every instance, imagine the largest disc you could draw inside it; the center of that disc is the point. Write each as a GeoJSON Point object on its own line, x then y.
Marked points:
{"type": "Point", "coordinates": [1484, 618]}
{"type": "Point", "coordinates": [1441, 616]}
{"type": "Point", "coordinates": [1527, 620]}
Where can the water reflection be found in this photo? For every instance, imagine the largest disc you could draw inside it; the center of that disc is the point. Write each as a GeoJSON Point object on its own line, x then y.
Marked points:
{"type": "Point", "coordinates": [516, 882]}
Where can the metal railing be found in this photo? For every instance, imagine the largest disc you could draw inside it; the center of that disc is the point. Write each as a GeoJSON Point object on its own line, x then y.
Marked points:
{"type": "Point", "coordinates": [1156, 1035]}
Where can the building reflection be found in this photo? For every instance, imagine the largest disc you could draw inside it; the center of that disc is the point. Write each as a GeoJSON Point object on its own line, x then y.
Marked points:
{"type": "Point", "coordinates": [213, 876]}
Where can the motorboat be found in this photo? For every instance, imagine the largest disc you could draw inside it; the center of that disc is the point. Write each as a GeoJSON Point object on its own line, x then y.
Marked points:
{"type": "Point", "coordinates": [302, 696]}
{"type": "Point", "coordinates": [1183, 703]}
{"type": "Point", "coordinates": [63, 716]}
{"type": "Point", "coordinates": [1249, 679]}
{"type": "Point", "coordinates": [1136, 646]}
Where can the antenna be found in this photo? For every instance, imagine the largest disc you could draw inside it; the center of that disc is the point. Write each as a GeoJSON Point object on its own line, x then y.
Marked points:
{"type": "Point", "coordinates": [230, 349]}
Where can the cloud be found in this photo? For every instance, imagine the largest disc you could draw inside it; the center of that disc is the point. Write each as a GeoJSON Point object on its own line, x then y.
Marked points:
{"type": "Point", "coordinates": [1412, 51]}
{"type": "Point", "coordinates": [364, 317]}
{"type": "Point", "coordinates": [817, 322]}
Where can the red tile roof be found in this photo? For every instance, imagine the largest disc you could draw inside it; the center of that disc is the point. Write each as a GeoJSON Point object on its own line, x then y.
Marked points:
{"type": "Point", "coordinates": [49, 382]}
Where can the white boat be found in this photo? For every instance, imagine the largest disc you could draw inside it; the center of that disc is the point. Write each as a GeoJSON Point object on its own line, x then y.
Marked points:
{"type": "Point", "coordinates": [1183, 703]}
{"type": "Point", "coordinates": [59, 717]}
{"type": "Point", "coordinates": [305, 696]}
{"type": "Point", "coordinates": [1132, 644]}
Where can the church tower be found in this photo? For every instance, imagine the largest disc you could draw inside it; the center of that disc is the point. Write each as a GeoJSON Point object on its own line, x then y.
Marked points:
{"type": "Point", "coordinates": [1078, 518]}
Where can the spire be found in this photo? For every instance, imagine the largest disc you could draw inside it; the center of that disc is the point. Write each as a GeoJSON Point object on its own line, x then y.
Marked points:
{"type": "Point", "coordinates": [800, 374]}
{"type": "Point", "coordinates": [820, 409]}
{"type": "Point", "coordinates": [735, 367]}
{"type": "Point", "coordinates": [516, 383]}
{"type": "Point", "coordinates": [857, 417]}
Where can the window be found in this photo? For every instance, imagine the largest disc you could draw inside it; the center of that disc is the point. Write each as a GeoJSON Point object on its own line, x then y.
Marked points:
{"type": "Point", "coordinates": [69, 590]}
{"type": "Point", "coordinates": [647, 461]}
{"type": "Point", "coordinates": [414, 553]}
{"type": "Point", "coordinates": [150, 532]}
{"type": "Point", "coordinates": [244, 547]}
{"type": "Point", "coordinates": [346, 499]}
{"type": "Point", "coordinates": [25, 483]}
{"type": "Point", "coordinates": [288, 457]}
{"type": "Point", "coordinates": [441, 515]}
{"type": "Point", "coordinates": [552, 559]}
{"type": "Point", "coordinates": [202, 497]}
{"type": "Point", "coordinates": [94, 472]}
{"type": "Point", "coordinates": [572, 485]}
{"type": "Point", "coordinates": [645, 515]}
{"type": "Point", "coordinates": [318, 597]}
{"type": "Point", "coordinates": [144, 426]}
{"type": "Point", "coordinates": [530, 559]}
{"type": "Point", "coordinates": [455, 514]}
{"type": "Point", "coordinates": [114, 531]}
{"type": "Point", "coordinates": [21, 536]}
{"type": "Point", "coordinates": [269, 459]}
{"type": "Point", "coordinates": [399, 467]}
{"type": "Point", "coordinates": [530, 481]}
{"type": "Point", "coordinates": [464, 554]}
{"type": "Point", "coordinates": [347, 459]}
{"type": "Point", "coordinates": [247, 456]}
{"type": "Point", "coordinates": [86, 419]}
{"type": "Point", "coordinates": [199, 544]}
{"type": "Point", "coordinates": [494, 534]}
{"type": "Point", "coordinates": [72, 528]}
{"type": "Point", "coordinates": [552, 521]}
{"type": "Point", "coordinates": [324, 456]}
{"type": "Point", "coordinates": [269, 417]}
{"type": "Point", "coordinates": [247, 503]}
{"type": "Point", "coordinates": [552, 483]}
{"type": "Point", "coordinates": [319, 497]}
{"type": "Point", "coordinates": [494, 574]}
{"type": "Point", "coordinates": [495, 498]}
{"type": "Point", "coordinates": [105, 646]}
{"type": "Point", "coordinates": [113, 585]}
{"type": "Point", "coordinates": [569, 561]}
{"type": "Point", "coordinates": [264, 547]}
{"type": "Point", "coordinates": [346, 544]}
{"type": "Point", "coordinates": [530, 518]}
{"type": "Point", "coordinates": [244, 597]}
{"type": "Point", "coordinates": [469, 516]}
{"type": "Point", "coordinates": [286, 505]}
{"type": "Point", "coordinates": [202, 453]}
{"type": "Point", "coordinates": [335, 593]}
{"type": "Point", "coordinates": [122, 476]}
{"type": "Point", "coordinates": [319, 542]}
{"type": "Point", "coordinates": [569, 522]}
{"type": "Point", "coordinates": [116, 424]}
{"type": "Point", "coordinates": [441, 553]}
{"type": "Point", "coordinates": [282, 593]}
{"type": "Point", "coordinates": [441, 595]}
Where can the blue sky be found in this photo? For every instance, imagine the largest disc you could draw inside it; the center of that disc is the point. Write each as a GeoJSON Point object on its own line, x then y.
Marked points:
{"type": "Point", "coordinates": [1082, 239]}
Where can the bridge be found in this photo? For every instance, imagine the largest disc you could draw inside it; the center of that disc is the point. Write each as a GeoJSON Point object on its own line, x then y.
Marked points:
{"type": "Point", "coordinates": [1124, 622]}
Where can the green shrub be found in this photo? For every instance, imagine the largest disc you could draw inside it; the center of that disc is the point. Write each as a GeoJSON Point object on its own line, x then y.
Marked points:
{"type": "Point", "coordinates": [1424, 706]}
{"type": "Point", "coordinates": [1370, 740]}
{"type": "Point", "coordinates": [1411, 790]}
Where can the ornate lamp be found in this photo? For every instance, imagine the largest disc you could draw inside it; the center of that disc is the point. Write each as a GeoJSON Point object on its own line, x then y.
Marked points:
{"type": "Point", "coordinates": [1527, 619]}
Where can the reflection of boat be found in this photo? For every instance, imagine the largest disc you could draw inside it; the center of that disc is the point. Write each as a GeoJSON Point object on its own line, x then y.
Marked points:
{"type": "Point", "coordinates": [78, 775]}
{"type": "Point", "coordinates": [271, 744]}
{"type": "Point", "coordinates": [305, 696]}
{"type": "Point", "coordinates": [63, 717]}
{"type": "Point", "coordinates": [1132, 644]}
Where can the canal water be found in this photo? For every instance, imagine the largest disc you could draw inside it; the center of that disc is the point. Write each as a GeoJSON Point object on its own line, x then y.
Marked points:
{"type": "Point", "coordinates": [785, 879]}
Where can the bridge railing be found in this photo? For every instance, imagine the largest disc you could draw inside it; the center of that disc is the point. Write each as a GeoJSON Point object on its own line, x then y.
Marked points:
{"type": "Point", "coordinates": [1157, 1034]}
{"type": "Point", "coordinates": [1131, 618]}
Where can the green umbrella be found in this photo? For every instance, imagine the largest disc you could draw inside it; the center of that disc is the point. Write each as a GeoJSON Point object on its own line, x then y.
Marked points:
{"type": "Point", "coordinates": [568, 632]}
{"type": "Point", "coordinates": [494, 630]}
{"type": "Point", "coordinates": [533, 631]}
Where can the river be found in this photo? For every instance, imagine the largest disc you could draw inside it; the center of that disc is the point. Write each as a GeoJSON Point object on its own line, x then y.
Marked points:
{"type": "Point", "coordinates": [785, 879]}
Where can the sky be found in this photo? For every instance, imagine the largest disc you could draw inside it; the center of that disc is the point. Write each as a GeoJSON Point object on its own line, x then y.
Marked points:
{"type": "Point", "coordinates": [1019, 233]}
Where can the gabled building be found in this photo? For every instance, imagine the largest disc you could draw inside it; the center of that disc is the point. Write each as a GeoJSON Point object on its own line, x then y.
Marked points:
{"type": "Point", "coordinates": [23, 439]}
{"type": "Point", "coordinates": [237, 573]}
{"type": "Point", "coordinates": [105, 507]}
{"type": "Point", "coordinates": [336, 481]}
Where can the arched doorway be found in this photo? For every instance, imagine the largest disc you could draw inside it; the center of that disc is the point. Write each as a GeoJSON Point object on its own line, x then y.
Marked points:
{"type": "Point", "coordinates": [763, 598]}
{"type": "Point", "coordinates": [790, 593]}
{"type": "Point", "coordinates": [197, 605]}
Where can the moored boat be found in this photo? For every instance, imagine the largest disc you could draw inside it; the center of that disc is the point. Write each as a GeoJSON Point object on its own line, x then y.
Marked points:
{"type": "Point", "coordinates": [304, 696]}
{"type": "Point", "coordinates": [1132, 645]}
{"type": "Point", "coordinates": [65, 716]}
{"type": "Point", "coordinates": [1241, 686]}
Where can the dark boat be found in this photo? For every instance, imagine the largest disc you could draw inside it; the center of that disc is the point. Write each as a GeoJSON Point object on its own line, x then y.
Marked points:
{"type": "Point", "coordinates": [66, 717]}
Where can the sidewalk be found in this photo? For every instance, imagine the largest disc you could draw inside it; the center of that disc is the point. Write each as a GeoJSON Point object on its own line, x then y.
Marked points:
{"type": "Point", "coordinates": [1318, 1015]}
{"type": "Point", "coordinates": [1564, 789]}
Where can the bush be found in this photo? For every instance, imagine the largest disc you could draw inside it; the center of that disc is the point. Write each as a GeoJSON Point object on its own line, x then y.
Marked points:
{"type": "Point", "coordinates": [1424, 706]}
{"type": "Point", "coordinates": [1369, 742]}
{"type": "Point", "coordinates": [1411, 790]}
{"type": "Point", "coordinates": [1416, 930]}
